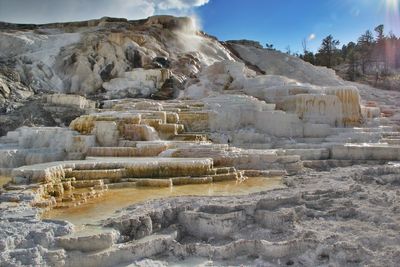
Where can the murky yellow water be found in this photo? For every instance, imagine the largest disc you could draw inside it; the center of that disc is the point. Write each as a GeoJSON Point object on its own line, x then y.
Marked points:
{"type": "Point", "coordinates": [115, 199]}
{"type": "Point", "coordinates": [4, 180]}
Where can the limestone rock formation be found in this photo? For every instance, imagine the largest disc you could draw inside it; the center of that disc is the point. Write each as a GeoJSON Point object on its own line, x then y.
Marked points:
{"type": "Point", "coordinates": [137, 83]}
{"type": "Point", "coordinates": [156, 104]}
{"type": "Point", "coordinates": [277, 63]}
{"type": "Point", "coordinates": [80, 57]}
{"type": "Point", "coordinates": [12, 91]}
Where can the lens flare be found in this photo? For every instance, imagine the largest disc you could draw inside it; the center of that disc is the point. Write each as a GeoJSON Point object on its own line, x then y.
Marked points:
{"type": "Point", "coordinates": [392, 5]}
{"type": "Point", "coordinates": [393, 14]}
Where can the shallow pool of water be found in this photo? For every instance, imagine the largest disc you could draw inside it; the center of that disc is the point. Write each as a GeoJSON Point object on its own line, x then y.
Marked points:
{"type": "Point", "coordinates": [115, 199]}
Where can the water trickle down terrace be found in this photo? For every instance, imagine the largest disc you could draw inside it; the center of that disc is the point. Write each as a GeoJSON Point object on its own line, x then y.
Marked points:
{"type": "Point", "coordinates": [133, 144]}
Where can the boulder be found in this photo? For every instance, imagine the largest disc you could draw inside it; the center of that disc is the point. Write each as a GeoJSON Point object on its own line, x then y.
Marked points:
{"type": "Point", "coordinates": [138, 82]}
{"type": "Point", "coordinates": [70, 101]}
{"type": "Point", "coordinates": [4, 90]}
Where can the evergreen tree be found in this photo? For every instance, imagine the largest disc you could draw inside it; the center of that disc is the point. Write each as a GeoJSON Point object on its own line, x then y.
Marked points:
{"type": "Point", "coordinates": [380, 47]}
{"type": "Point", "coordinates": [380, 36]}
{"type": "Point", "coordinates": [351, 60]}
{"type": "Point", "coordinates": [308, 56]}
{"type": "Point", "coordinates": [378, 53]}
{"type": "Point", "coordinates": [328, 52]}
{"type": "Point", "coordinates": [365, 46]}
{"type": "Point", "coordinates": [269, 46]}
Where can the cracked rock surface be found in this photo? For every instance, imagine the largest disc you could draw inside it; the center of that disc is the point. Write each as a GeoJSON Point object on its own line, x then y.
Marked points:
{"type": "Point", "coordinates": [345, 217]}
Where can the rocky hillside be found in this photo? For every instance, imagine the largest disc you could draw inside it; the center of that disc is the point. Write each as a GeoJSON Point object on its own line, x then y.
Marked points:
{"type": "Point", "coordinates": [161, 57]}
{"type": "Point", "coordinates": [230, 112]}
{"type": "Point", "coordinates": [90, 57]}
{"type": "Point", "coordinates": [106, 56]}
{"type": "Point", "coordinates": [101, 59]}
{"type": "Point", "coordinates": [375, 75]}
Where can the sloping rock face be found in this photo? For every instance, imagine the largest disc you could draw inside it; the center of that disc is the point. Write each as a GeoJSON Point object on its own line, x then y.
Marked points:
{"type": "Point", "coordinates": [43, 110]}
{"type": "Point", "coordinates": [80, 57]}
{"type": "Point", "coordinates": [12, 91]}
{"type": "Point", "coordinates": [277, 63]}
{"type": "Point", "coordinates": [336, 105]}
{"type": "Point", "coordinates": [105, 59]}
{"type": "Point", "coordinates": [164, 57]}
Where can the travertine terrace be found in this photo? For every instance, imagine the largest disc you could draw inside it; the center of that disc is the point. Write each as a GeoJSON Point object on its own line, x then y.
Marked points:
{"type": "Point", "coordinates": [156, 103]}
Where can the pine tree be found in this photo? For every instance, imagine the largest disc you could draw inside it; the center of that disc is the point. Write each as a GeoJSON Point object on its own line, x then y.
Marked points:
{"type": "Point", "coordinates": [351, 59]}
{"type": "Point", "coordinates": [380, 47]}
{"type": "Point", "coordinates": [365, 46]}
{"type": "Point", "coordinates": [380, 36]}
{"type": "Point", "coordinates": [328, 52]}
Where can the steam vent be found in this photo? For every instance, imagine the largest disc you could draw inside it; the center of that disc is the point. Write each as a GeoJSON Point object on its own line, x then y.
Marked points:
{"type": "Point", "coordinates": [151, 143]}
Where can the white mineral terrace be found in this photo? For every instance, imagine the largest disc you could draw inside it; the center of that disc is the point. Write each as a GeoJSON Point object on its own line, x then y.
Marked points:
{"type": "Point", "coordinates": [189, 152]}
{"type": "Point", "coordinates": [136, 142]}
{"type": "Point", "coordinates": [46, 172]}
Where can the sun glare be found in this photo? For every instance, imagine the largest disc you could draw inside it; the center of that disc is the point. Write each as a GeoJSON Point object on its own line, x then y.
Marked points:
{"type": "Point", "coordinates": [392, 4]}
{"type": "Point", "coordinates": [392, 14]}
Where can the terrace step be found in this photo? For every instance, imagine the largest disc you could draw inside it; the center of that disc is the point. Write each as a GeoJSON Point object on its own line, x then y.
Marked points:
{"type": "Point", "coordinates": [87, 183]}
{"type": "Point", "coordinates": [310, 153]}
{"type": "Point", "coordinates": [225, 177]}
{"type": "Point", "coordinates": [334, 163]}
{"type": "Point", "coordinates": [391, 141]}
{"type": "Point", "coordinates": [224, 170]}
{"type": "Point", "coordinates": [190, 137]}
{"type": "Point", "coordinates": [166, 182]}
{"type": "Point", "coordinates": [169, 143]}
{"type": "Point", "coordinates": [148, 150]}
{"type": "Point", "coordinates": [374, 151]}
{"type": "Point", "coordinates": [112, 168]}
{"type": "Point", "coordinates": [121, 185]}
{"type": "Point", "coordinates": [391, 134]}
{"type": "Point", "coordinates": [110, 174]}
{"type": "Point", "coordinates": [192, 180]}
{"type": "Point", "coordinates": [154, 182]}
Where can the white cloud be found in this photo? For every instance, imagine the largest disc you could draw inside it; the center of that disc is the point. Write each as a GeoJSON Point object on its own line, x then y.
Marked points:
{"type": "Point", "coordinates": [44, 11]}
{"type": "Point", "coordinates": [179, 4]}
{"type": "Point", "coordinates": [355, 11]}
{"type": "Point", "coordinates": [312, 36]}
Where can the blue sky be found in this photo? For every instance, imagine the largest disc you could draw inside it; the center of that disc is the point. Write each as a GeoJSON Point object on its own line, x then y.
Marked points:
{"type": "Point", "coordinates": [288, 22]}
{"type": "Point", "coordinates": [280, 22]}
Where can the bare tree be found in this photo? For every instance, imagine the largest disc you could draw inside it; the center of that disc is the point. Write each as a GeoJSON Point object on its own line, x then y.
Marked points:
{"type": "Point", "coordinates": [304, 45]}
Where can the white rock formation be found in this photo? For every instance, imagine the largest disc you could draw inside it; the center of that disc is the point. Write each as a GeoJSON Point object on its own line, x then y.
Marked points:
{"type": "Point", "coordinates": [81, 57]}
{"type": "Point", "coordinates": [70, 100]}
{"type": "Point", "coordinates": [334, 105]}
{"type": "Point", "coordinates": [40, 51]}
{"type": "Point", "coordinates": [277, 63]}
{"type": "Point", "coordinates": [220, 76]}
{"type": "Point", "coordinates": [259, 113]}
{"type": "Point", "coordinates": [137, 83]}
{"type": "Point", "coordinates": [30, 145]}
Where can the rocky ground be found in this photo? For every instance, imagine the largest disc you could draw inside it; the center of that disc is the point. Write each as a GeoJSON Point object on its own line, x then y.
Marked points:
{"type": "Point", "coordinates": [341, 217]}
{"type": "Point", "coordinates": [389, 101]}
{"type": "Point", "coordinates": [386, 79]}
